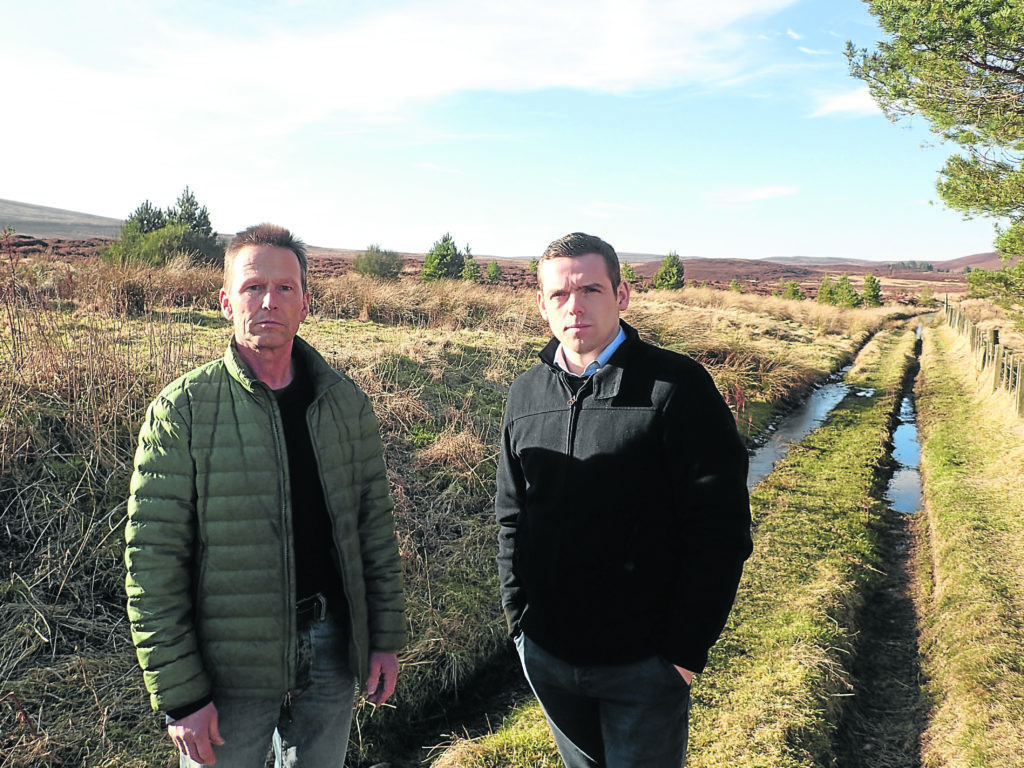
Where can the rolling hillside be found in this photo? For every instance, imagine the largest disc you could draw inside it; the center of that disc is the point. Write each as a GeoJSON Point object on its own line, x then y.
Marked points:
{"type": "Point", "coordinates": [51, 223]}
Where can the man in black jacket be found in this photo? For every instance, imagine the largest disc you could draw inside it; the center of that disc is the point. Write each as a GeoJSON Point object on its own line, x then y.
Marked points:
{"type": "Point", "coordinates": [625, 520]}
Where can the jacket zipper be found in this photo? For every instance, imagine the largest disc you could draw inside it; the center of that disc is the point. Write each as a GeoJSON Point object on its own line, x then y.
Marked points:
{"type": "Point", "coordinates": [289, 544]}
{"type": "Point", "coordinates": [574, 411]}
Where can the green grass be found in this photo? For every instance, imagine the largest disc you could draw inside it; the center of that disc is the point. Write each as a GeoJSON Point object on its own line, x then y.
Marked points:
{"type": "Point", "coordinates": [971, 561]}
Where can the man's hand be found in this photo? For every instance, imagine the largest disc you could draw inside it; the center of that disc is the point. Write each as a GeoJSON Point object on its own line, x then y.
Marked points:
{"type": "Point", "coordinates": [196, 735]}
{"type": "Point", "coordinates": [383, 674]}
{"type": "Point", "coordinates": [687, 674]}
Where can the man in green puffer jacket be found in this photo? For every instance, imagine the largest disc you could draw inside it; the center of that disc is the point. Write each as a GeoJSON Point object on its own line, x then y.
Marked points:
{"type": "Point", "coordinates": [263, 570]}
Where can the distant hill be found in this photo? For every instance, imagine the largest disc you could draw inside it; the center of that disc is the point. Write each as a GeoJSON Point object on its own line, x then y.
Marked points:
{"type": "Point", "coordinates": [989, 261]}
{"type": "Point", "coordinates": [40, 221]}
{"type": "Point", "coordinates": [816, 261]}
{"type": "Point", "coordinates": [43, 222]}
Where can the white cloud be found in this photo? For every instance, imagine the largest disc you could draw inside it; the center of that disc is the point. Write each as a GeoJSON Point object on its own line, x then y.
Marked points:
{"type": "Point", "coordinates": [813, 51]}
{"type": "Point", "coordinates": [753, 194]}
{"type": "Point", "coordinates": [377, 62]}
{"type": "Point", "coordinates": [794, 35]}
{"type": "Point", "coordinates": [136, 99]}
{"type": "Point", "coordinates": [858, 102]}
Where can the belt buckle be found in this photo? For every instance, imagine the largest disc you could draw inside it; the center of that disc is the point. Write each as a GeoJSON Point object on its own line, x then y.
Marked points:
{"type": "Point", "coordinates": [315, 605]}
{"type": "Point", "coordinates": [319, 607]}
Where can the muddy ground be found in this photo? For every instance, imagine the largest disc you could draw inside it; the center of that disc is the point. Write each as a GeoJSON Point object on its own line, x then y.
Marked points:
{"type": "Point", "coordinates": [885, 716]}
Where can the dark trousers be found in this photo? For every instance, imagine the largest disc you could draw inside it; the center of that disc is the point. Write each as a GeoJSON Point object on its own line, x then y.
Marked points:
{"type": "Point", "coordinates": [620, 716]}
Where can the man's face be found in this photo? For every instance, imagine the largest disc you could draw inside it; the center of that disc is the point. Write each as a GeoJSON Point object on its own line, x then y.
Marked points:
{"type": "Point", "coordinates": [577, 300]}
{"type": "Point", "coordinates": [264, 298]}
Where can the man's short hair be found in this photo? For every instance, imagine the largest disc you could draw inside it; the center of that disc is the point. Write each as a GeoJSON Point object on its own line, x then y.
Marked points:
{"type": "Point", "coordinates": [580, 244]}
{"type": "Point", "coordinates": [265, 234]}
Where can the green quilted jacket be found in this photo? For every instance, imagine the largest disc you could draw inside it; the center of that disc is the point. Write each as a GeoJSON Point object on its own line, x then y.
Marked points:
{"type": "Point", "coordinates": [211, 576]}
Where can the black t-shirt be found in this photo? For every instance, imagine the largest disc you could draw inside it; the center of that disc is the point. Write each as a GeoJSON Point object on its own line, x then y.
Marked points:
{"type": "Point", "coordinates": [312, 532]}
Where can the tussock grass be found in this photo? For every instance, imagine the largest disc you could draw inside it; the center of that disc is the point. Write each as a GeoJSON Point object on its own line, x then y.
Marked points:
{"type": "Point", "coordinates": [450, 304]}
{"type": "Point", "coordinates": [523, 740]}
{"type": "Point", "coordinates": [71, 402]}
{"type": "Point", "coordinates": [824, 319]}
{"type": "Point", "coordinates": [972, 598]}
{"type": "Point", "coordinates": [774, 689]}
{"type": "Point", "coordinates": [79, 363]}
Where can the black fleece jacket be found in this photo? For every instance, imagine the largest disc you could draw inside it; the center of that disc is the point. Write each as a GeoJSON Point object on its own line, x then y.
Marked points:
{"type": "Point", "coordinates": [623, 508]}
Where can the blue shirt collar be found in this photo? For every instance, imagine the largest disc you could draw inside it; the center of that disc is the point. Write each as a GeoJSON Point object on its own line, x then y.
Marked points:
{"type": "Point", "coordinates": [600, 360]}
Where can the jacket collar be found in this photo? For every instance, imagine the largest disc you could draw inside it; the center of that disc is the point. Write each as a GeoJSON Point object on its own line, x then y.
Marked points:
{"type": "Point", "coordinates": [317, 368]}
{"type": "Point", "coordinates": [608, 378]}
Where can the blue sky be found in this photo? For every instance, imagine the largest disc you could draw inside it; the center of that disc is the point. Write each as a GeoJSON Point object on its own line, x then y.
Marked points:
{"type": "Point", "coordinates": [718, 129]}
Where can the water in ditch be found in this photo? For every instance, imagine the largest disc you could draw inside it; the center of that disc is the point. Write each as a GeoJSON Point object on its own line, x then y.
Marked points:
{"type": "Point", "coordinates": [796, 425]}
{"type": "Point", "coordinates": [885, 715]}
{"type": "Point", "coordinates": [904, 491]}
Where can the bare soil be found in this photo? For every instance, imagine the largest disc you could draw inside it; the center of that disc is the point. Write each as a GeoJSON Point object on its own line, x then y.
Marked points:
{"type": "Point", "coordinates": [479, 709]}
{"type": "Point", "coordinates": [883, 721]}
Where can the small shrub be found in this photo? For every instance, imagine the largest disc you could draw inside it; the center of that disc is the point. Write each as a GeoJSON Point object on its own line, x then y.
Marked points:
{"type": "Point", "coordinates": [377, 262]}
{"type": "Point", "coordinates": [470, 269]}
{"type": "Point", "coordinates": [127, 297]}
{"type": "Point", "coordinates": [670, 275]}
{"type": "Point", "coordinates": [872, 296]}
{"type": "Point", "coordinates": [443, 260]}
{"type": "Point", "coordinates": [493, 274]}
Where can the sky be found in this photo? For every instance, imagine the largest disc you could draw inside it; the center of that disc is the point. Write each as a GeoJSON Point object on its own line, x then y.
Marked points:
{"type": "Point", "coordinates": [728, 129]}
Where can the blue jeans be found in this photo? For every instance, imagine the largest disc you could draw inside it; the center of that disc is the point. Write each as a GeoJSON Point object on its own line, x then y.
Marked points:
{"type": "Point", "coordinates": [310, 728]}
{"type": "Point", "coordinates": [620, 716]}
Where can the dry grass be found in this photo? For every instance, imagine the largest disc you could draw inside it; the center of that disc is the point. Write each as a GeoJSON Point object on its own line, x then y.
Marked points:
{"type": "Point", "coordinates": [988, 316]}
{"type": "Point", "coordinates": [447, 304]}
{"type": "Point", "coordinates": [973, 600]}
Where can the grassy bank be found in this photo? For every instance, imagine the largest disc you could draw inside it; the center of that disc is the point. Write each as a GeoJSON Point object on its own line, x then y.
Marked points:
{"type": "Point", "coordinates": [84, 348]}
{"type": "Point", "coordinates": [773, 691]}
{"type": "Point", "coordinates": [971, 559]}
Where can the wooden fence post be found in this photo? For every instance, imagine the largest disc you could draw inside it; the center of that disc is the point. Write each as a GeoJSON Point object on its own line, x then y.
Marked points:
{"type": "Point", "coordinates": [1007, 368]}
{"type": "Point", "coordinates": [1020, 389]}
{"type": "Point", "coordinates": [997, 366]}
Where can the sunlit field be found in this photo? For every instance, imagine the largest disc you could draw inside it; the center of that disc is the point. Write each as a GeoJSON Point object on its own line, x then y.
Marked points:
{"type": "Point", "coordinates": [85, 347]}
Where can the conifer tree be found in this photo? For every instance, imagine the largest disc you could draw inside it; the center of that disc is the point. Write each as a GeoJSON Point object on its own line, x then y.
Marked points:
{"type": "Point", "coordinates": [493, 274]}
{"type": "Point", "coordinates": [826, 291]}
{"type": "Point", "coordinates": [444, 260]}
{"type": "Point", "coordinates": [960, 64]}
{"type": "Point", "coordinates": [670, 274]}
{"type": "Point", "coordinates": [471, 271]}
{"type": "Point", "coordinates": [844, 294]}
{"type": "Point", "coordinates": [872, 296]}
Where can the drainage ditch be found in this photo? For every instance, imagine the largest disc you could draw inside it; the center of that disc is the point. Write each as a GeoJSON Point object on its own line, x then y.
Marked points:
{"type": "Point", "coordinates": [884, 716]}
{"type": "Point", "coordinates": [882, 725]}
{"type": "Point", "coordinates": [798, 423]}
